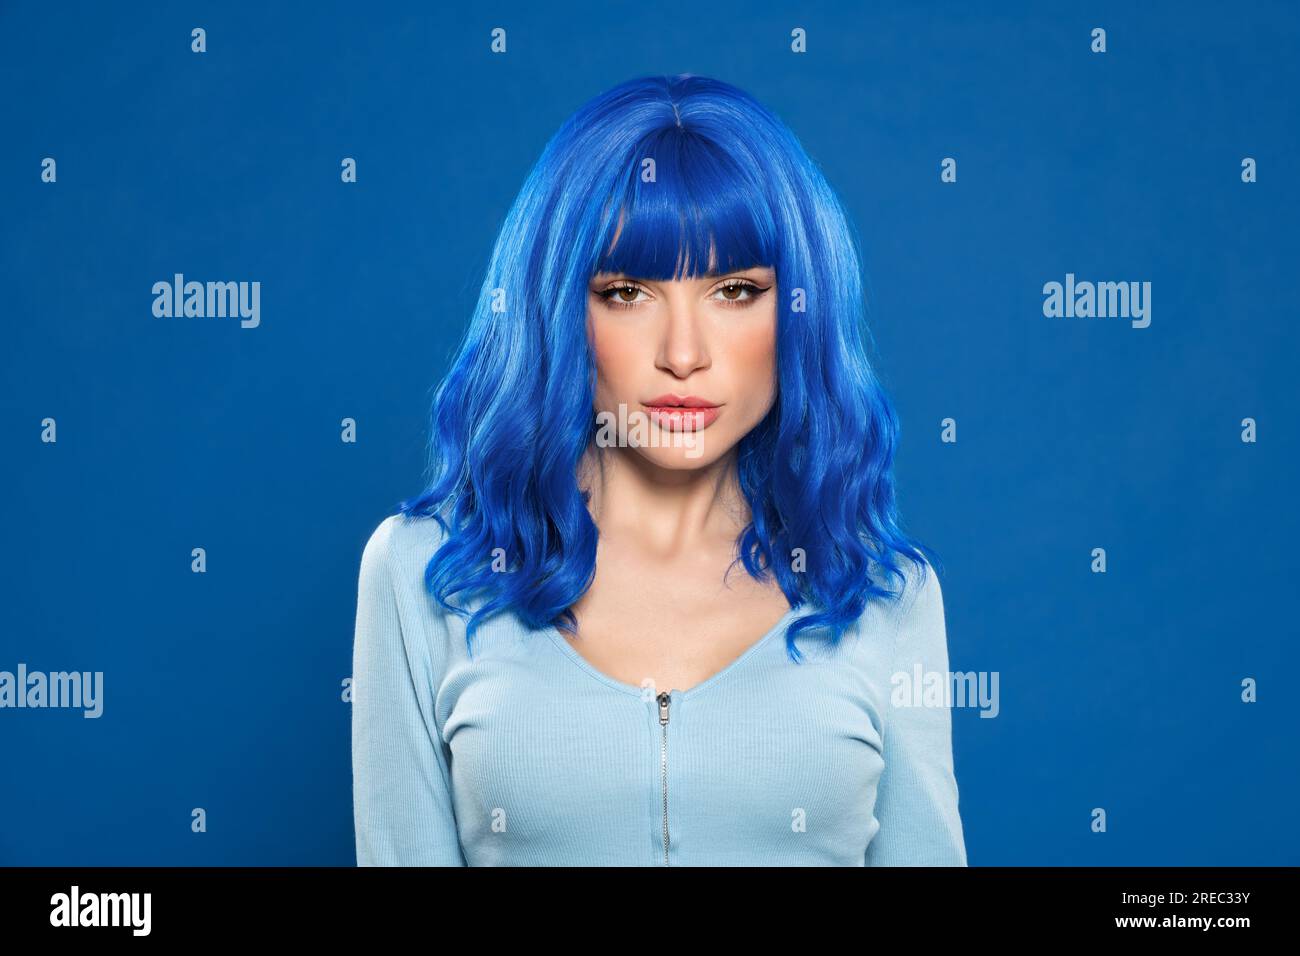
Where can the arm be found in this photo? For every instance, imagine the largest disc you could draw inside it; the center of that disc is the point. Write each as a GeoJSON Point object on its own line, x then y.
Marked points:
{"type": "Point", "coordinates": [401, 785]}
{"type": "Point", "coordinates": [916, 803]}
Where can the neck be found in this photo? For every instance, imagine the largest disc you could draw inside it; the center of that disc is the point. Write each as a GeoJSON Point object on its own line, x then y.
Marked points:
{"type": "Point", "coordinates": [670, 511]}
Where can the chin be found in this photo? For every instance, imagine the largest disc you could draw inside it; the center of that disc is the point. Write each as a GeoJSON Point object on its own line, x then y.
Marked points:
{"type": "Point", "coordinates": [684, 459]}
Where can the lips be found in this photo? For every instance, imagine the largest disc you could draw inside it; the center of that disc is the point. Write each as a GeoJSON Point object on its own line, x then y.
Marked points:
{"type": "Point", "coordinates": [682, 412]}
{"type": "Point", "coordinates": [680, 401]}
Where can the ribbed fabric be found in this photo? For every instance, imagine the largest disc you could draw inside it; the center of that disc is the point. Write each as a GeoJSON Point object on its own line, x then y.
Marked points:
{"type": "Point", "coordinates": [526, 755]}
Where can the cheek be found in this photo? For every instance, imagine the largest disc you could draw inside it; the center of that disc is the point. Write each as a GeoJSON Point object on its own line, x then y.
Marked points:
{"type": "Point", "coordinates": [753, 360]}
{"type": "Point", "coordinates": [617, 357]}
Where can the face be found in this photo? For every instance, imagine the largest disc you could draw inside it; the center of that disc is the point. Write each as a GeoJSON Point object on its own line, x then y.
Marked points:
{"type": "Point", "coordinates": [692, 361]}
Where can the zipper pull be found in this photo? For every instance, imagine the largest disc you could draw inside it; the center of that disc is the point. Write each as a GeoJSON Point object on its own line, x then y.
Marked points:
{"type": "Point", "coordinates": [663, 699]}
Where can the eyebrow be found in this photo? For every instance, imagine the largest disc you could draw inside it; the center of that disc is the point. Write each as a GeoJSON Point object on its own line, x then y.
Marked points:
{"type": "Point", "coordinates": [703, 275]}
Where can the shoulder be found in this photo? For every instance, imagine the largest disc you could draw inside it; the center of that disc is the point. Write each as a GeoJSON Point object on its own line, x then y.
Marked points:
{"type": "Point", "coordinates": [921, 593]}
{"type": "Point", "coordinates": [918, 624]}
{"type": "Point", "coordinates": [403, 534]}
{"type": "Point", "coordinates": [399, 546]}
{"type": "Point", "coordinates": [393, 602]}
{"type": "Point", "coordinates": [912, 607]}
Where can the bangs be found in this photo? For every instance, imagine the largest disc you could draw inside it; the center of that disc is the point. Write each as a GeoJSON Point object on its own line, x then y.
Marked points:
{"type": "Point", "coordinates": [702, 215]}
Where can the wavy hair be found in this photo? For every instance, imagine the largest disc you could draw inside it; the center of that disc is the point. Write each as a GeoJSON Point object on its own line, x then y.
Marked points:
{"type": "Point", "coordinates": [730, 181]}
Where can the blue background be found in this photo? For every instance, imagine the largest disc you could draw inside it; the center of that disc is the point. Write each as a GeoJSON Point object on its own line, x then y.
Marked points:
{"type": "Point", "coordinates": [223, 690]}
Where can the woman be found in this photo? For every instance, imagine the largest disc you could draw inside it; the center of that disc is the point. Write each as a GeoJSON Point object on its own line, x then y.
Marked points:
{"type": "Point", "coordinates": [641, 614]}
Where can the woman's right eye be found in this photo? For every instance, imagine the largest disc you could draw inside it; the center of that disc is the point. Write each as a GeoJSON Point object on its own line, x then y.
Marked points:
{"type": "Point", "coordinates": [621, 296]}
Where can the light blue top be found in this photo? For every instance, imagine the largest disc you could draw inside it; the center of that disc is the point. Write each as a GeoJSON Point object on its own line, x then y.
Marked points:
{"type": "Point", "coordinates": [528, 755]}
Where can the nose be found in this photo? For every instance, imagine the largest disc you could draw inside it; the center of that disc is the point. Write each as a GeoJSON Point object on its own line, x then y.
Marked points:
{"type": "Point", "coordinates": [682, 346]}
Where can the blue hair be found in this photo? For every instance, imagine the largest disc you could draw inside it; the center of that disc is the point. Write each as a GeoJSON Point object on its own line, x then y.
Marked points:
{"type": "Point", "coordinates": [732, 188]}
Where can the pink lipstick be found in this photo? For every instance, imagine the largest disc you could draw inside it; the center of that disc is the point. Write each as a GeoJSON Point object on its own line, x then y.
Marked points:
{"type": "Point", "coordinates": [682, 412]}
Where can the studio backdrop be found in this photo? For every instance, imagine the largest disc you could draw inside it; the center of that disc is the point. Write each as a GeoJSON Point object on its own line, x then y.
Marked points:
{"type": "Point", "coordinates": [1079, 231]}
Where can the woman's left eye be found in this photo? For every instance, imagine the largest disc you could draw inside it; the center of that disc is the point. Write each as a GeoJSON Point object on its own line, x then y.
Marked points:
{"type": "Point", "coordinates": [739, 291]}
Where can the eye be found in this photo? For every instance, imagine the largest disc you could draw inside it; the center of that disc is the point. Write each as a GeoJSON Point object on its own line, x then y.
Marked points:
{"type": "Point", "coordinates": [622, 295]}
{"type": "Point", "coordinates": [739, 292]}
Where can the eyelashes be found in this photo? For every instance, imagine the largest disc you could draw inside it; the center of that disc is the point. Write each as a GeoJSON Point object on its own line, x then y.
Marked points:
{"type": "Point", "coordinates": [727, 294]}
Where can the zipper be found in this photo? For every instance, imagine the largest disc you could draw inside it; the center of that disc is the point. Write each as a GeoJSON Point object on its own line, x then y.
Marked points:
{"type": "Point", "coordinates": [664, 699]}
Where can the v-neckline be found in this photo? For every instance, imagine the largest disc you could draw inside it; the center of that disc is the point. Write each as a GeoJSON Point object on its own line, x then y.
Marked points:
{"type": "Point", "coordinates": [572, 653]}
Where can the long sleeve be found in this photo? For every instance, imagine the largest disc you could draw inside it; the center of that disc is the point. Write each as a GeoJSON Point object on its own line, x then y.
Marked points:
{"type": "Point", "coordinates": [917, 801]}
{"type": "Point", "coordinates": [401, 787]}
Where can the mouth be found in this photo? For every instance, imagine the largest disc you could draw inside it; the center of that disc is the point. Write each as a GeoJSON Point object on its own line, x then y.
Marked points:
{"type": "Point", "coordinates": [682, 412]}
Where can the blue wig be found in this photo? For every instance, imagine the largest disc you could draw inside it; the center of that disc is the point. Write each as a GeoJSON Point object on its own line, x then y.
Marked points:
{"type": "Point", "coordinates": [732, 188]}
